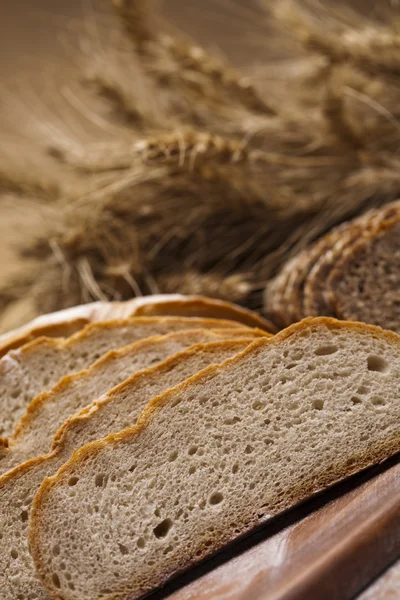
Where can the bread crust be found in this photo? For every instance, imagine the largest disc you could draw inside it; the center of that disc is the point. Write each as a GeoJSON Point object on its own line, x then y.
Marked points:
{"type": "Point", "coordinates": [303, 491]}
{"type": "Point", "coordinates": [66, 322]}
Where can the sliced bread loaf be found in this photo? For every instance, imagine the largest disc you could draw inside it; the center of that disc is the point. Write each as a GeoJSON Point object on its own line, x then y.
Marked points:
{"type": "Point", "coordinates": [113, 412]}
{"type": "Point", "coordinates": [216, 456]}
{"type": "Point", "coordinates": [37, 366]}
{"type": "Point", "coordinates": [48, 411]}
{"type": "Point", "coordinates": [67, 322]}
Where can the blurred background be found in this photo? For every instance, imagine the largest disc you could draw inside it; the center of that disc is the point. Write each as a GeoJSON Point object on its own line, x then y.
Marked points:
{"type": "Point", "coordinates": [296, 63]}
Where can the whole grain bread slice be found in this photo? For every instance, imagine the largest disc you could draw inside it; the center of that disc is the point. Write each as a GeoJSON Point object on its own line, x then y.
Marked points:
{"type": "Point", "coordinates": [338, 243]}
{"type": "Point", "coordinates": [67, 322]}
{"type": "Point", "coordinates": [216, 456]}
{"type": "Point", "coordinates": [37, 366]}
{"type": "Point", "coordinates": [365, 284]}
{"type": "Point", "coordinates": [48, 411]}
{"type": "Point", "coordinates": [114, 411]}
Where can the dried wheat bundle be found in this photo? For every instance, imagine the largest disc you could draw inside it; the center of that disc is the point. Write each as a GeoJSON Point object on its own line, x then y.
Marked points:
{"type": "Point", "coordinates": [211, 178]}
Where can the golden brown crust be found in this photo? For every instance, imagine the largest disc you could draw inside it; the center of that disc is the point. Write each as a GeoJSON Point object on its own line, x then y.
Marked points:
{"type": "Point", "coordinates": [65, 323]}
{"type": "Point", "coordinates": [54, 331]}
{"type": "Point", "coordinates": [304, 490]}
{"type": "Point", "coordinates": [61, 343]}
{"type": "Point", "coordinates": [199, 306]}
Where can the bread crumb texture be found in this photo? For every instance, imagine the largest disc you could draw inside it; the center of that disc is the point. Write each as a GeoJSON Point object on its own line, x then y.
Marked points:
{"type": "Point", "coordinates": [213, 457]}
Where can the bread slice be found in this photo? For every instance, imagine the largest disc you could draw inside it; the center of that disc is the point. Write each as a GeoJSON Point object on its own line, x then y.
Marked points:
{"type": "Point", "coordinates": [338, 243]}
{"type": "Point", "coordinates": [365, 284]}
{"type": "Point", "coordinates": [216, 456]}
{"type": "Point", "coordinates": [113, 412]}
{"type": "Point", "coordinates": [37, 366]}
{"type": "Point", "coordinates": [48, 411]}
{"type": "Point", "coordinates": [326, 252]}
{"type": "Point", "coordinates": [67, 322]}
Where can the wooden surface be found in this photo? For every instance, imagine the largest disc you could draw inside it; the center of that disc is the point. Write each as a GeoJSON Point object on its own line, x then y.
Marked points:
{"type": "Point", "coordinates": [386, 587]}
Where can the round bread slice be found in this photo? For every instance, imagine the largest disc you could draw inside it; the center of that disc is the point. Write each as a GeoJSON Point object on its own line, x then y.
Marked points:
{"type": "Point", "coordinates": [365, 285]}
{"type": "Point", "coordinates": [64, 323]}
{"type": "Point", "coordinates": [338, 241]}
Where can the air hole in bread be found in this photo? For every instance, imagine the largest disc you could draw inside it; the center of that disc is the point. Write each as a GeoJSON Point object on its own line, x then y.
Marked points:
{"type": "Point", "coordinates": [15, 393]}
{"type": "Point", "coordinates": [257, 405]}
{"type": "Point", "coordinates": [232, 420]}
{"type": "Point", "coordinates": [56, 580]}
{"type": "Point", "coordinates": [235, 468]}
{"type": "Point", "coordinates": [73, 481]}
{"type": "Point", "coordinates": [356, 400]}
{"type": "Point", "coordinates": [363, 390]}
{"type": "Point", "coordinates": [162, 529]}
{"type": "Point", "coordinates": [56, 550]}
{"type": "Point", "coordinates": [249, 449]}
{"type": "Point", "coordinates": [154, 360]}
{"type": "Point", "coordinates": [173, 456]}
{"type": "Point", "coordinates": [14, 554]}
{"type": "Point", "coordinates": [192, 470]}
{"type": "Point", "coordinates": [325, 350]}
{"type": "Point", "coordinates": [377, 363]}
{"type": "Point", "coordinates": [141, 543]}
{"type": "Point", "coordinates": [123, 549]}
{"type": "Point", "coordinates": [376, 401]}
{"type": "Point", "coordinates": [216, 498]}
{"type": "Point", "coordinates": [192, 450]}
{"type": "Point", "coordinates": [24, 516]}
{"type": "Point", "coordinates": [100, 480]}
{"type": "Point", "coordinates": [318, 404]}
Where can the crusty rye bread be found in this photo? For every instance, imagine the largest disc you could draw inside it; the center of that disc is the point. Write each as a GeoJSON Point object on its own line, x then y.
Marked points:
{"type": "Point", "coordinates": [48, 411]}
{"type": "Point", "coordinates": [67, 322]}
{"type": "Point", "coordinates": [365, 283]}
{"type": "Point", "coordinates": [338, 244]}
{"type": "Point", "coordinates": [37, 366]}
{"type": "Point", "coordinates": [344, 274]}
{"type": "Point", "coordinates": [216, 456]}
{"type": "Point", "coordinates": [112, 412]}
